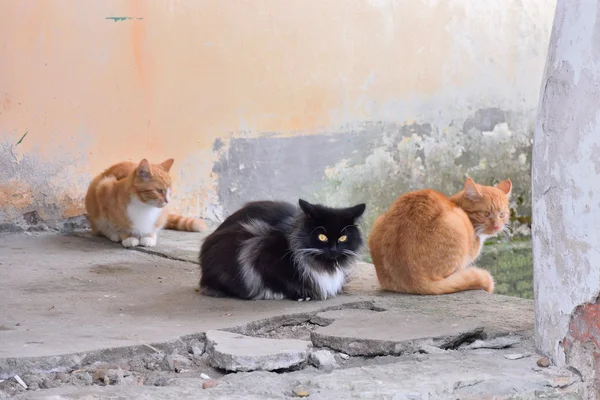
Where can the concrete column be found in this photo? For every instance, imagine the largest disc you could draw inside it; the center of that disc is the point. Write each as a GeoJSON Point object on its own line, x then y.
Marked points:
{"type": "Point", "coordinates": [566, 193]}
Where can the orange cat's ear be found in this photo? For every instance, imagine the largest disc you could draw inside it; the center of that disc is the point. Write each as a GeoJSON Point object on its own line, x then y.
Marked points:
{"type": "Point", "coordinates": [143, 170]}
{"type": "Point", "coordinates": [505, 186]}
{"type": "Point", "coordinates": [471, 191]}
{"type": "Point", "coordinates": [167, 164]}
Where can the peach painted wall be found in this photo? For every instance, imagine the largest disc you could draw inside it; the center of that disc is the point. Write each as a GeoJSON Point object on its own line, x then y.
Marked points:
{"type": "Point", "coordinates": [177, 76]}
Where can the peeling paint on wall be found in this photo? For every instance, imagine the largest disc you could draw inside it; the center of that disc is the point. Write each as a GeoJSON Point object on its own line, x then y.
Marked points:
{"type": "Point", "coordinates": [266, 99]}
{"type": "Point", "coordinates": [53, 190]}
{"type": "Point", "coordinates": [582, 346]}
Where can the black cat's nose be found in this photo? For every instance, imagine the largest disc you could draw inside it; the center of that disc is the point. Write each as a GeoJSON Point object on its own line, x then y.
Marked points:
{"type": "Point", "coordinates": [333, 247]}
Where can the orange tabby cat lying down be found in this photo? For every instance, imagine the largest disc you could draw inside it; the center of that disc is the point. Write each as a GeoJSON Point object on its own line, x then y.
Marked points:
{"type": "Point", "coordinates": [426, 241]}
{"type": "Point", "coordinates": [127, 204]}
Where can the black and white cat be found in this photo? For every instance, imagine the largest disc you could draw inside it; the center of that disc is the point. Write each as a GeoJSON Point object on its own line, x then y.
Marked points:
{"type": "Point", "coordinates": [275, 250]}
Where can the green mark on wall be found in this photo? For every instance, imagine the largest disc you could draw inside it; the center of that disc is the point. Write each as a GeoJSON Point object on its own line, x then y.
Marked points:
{"type": "Point", "coordinates": [117, 19]}
{"type": "Point", "coordinates": [22, 137]}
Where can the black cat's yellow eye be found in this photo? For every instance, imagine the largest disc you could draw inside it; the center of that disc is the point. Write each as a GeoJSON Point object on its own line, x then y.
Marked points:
{"type": "Point", "coordinates": [322, 237]}
{"type": "Point", "coordinates": [342, 239]}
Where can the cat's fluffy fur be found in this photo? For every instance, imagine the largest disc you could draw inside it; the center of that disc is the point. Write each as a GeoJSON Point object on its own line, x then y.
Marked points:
{"type": "Point", "coordinates": [127, 204]}
{"type": "Point", "coordinates": [275, 250]}
{"type": "Point", "coordinates": [426, 242]}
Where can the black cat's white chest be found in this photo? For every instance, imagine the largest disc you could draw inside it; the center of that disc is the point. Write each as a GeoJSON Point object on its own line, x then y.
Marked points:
{"type": "Point", "coordinates": [327, 284]}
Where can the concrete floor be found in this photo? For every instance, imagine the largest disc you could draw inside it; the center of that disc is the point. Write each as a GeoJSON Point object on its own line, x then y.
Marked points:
{"type": "Point", "coordinates": [68, 294]}
{"type": "Point", "coordinates": [65, 299]}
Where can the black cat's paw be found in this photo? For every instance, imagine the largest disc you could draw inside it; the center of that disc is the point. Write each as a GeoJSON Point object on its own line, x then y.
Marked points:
{"type": "Point", "coordinates": [211, 292]}
{"type": "Point", "coordinates": [302, 294]}
{"type": "Point", "coordinates": [305, 295]}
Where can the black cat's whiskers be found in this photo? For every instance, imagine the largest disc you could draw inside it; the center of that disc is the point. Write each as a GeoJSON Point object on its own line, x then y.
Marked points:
{"type": "Point", "coordinates": [310, 251]}
{"type": "Point", "coordinates": [350, 253]}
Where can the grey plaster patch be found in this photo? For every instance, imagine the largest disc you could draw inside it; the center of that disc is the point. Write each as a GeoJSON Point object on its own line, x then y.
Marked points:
{"type": "Point", "coordinates": [234, 352]}
{"type": "Point", "coordinates": [368, 333]}
{"type": "Point", "coordinates": [283, 168]}
{"type": "Point", "coordinates": [484, 120]}
{"type": "Point", "coordinates": [376, 162]}
{"type": "Point", "coordinates": [218, 144]}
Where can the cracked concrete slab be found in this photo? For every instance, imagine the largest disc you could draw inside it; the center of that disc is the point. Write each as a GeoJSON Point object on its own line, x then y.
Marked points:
{"type": "Point", "coordinates": [382, 333]}
{"type": "Point", "coordinates": [457, 375]}
{"type": "Point", "coordinates": [234, 352]}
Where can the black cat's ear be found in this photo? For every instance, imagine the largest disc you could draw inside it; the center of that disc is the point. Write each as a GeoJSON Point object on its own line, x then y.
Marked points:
{"type": "Point", "coordinates": [357, 211]}
{"type": "Point", "coordinates": [307, 208]}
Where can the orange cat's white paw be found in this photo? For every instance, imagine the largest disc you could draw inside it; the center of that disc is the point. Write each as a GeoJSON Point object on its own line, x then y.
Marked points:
{"type": "Point", "coordinates": [115, 237]}
{"type": "Point", "coordinates": [130, 242]}
{"type": "Point", "coordinates": [148, 241]}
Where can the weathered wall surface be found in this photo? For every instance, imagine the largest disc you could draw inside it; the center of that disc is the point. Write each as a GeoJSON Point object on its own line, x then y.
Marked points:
{"type": "Point", "coordinates": [340, 101]}
{"type": "Point", "coordinates": [566, 194]}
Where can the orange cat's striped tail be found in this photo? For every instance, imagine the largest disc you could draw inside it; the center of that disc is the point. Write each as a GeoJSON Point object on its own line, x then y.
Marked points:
{"type": "Point", "coordinates": [471, 278]}
{"type": "Point", "coordinates": [179, 223]}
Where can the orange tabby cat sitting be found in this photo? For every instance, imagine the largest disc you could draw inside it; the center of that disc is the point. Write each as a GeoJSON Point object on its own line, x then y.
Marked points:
{"type": "Point", "coordinates": [126, 203]}
{"type": "Point", "coordinates": [426, 242]}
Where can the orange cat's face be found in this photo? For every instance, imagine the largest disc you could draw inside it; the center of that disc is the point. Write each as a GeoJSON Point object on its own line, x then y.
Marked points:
{"type": "Point", "coordinates": [487, 206]}
{"type": "Point", "coordinates": [152, 183]}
